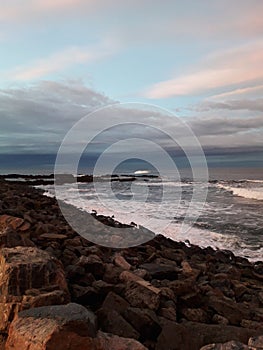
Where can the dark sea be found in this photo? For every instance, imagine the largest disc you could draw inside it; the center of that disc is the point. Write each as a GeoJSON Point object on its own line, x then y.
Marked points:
{"type": "Point", "coordinates": [226, 214]}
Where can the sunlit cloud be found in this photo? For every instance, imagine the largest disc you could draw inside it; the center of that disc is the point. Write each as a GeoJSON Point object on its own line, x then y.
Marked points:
{"type": "Point", "coordinates": [221, 70]}
{"type": "Point", "coordinates": [62, 60]}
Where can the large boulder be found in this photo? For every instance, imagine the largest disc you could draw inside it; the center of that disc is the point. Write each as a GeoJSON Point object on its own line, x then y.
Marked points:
{"type": "Point", "coordinates": [176, 336]}
{"type": "Point", "coordinates": [29, 277]}
{"type": "Point", "coordinates": [60, 327]}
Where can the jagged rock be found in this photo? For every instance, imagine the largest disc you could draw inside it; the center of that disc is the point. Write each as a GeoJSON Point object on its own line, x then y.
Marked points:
{"type": "Point", "coordinates": [256, 342]}
{"type": "Point", "coordinates": [115, 302]}
{"type": "Point", "coordinates": [201, 335]}
{"type": "Point", "coordinates": [195, 315]}
{"type": "Point", "coordinates": [143, 295]}
{"type": "Point", "coordinates": [232, 345]}
{"type": "Point", "coordinates": [67, 327]}
{"type": "Point", "coordinates": [112, 322]}
{"type": "Point", "coordinates": [144, 321]}
{"type": "Point", "coordinates": [114, 342]}
{"type": "Point", "coordinates": [161, 271]}
{"type": "Point", "coordinates": [92, 264]}
{"type": "Point", "coordinates": [234, 312]}
{"type": "Point", "coordinates": [29, 277]}
{"type": "Point", "coordinates": [120, 261]}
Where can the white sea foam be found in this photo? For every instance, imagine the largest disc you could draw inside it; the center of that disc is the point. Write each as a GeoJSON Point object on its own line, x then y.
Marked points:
{"type": "Point", "coordinates": [245, 192]}
{"type": "Point", "coordinates": [161, 219]}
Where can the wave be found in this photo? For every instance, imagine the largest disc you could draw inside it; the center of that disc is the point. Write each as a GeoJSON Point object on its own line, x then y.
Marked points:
{"type": "Point", "coordinates": [249, 193]}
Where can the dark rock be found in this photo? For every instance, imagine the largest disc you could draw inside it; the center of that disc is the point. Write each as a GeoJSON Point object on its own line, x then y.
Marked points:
{"type": "Point", "coordinates": [112, 322]}
{"type": "Point", "coordinates": [144, 321]}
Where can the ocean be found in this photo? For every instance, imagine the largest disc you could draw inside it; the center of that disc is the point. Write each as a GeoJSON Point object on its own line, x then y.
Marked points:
{"type": "Point", "coordinates": [229, 214]}
{"type": "Point", "coordinates": [230, 218]}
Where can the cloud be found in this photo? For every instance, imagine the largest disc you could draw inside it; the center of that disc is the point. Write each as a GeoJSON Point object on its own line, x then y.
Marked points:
{"type": "Point", "coordinates": [36, 118]}
{"type": "Point", "coordinates": [221, 70]}
{"type": "Point", "coordinates": [235, 105]}
{"type": "Point", "coordinates": [40, 115]}
{"type": "Point", "coordinates": [62, 60]}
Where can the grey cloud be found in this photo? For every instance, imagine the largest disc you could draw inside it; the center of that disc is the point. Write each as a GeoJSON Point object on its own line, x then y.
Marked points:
{"type": "Point", "coordinates": [245, 104]}
{"type": "Point", "coordinates": [35, 120]}
{"type": "Point", "coordinates": [41, 114]}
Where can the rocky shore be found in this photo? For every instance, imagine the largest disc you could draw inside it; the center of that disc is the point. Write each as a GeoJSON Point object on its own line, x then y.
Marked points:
{"type": "Point", "coordinates": [61, 291]}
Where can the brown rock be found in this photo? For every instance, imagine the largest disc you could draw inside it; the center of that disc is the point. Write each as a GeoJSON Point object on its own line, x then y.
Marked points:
{"type": "Point", "coordinates": [227, 308]}
{"type": "Point", "coordinates": [161, 271]}
{"type": "Point", "coordinates": [169, 313]}
{"type": "Point", "coordinates": [112, 322]}
{"type": "Point", "coordinates": [23, 270]}
{"type": "Point", "coordinates": [127, 276]}
{"type": "Point", "coordinates": [192, 335]}
{"type": "Point", "coordinates": [52, 237]}
{"type": "Point", "coordinates": [120, 261]}
{"type": "Point", "coordinates": [10, 221]}
{"type": "Point", "coordinates": [113, 342]}
{"type": "Point", "coordinates": [195, 315]}
{"type": "Point", "coordinates": [115, 302]}
{"type": "Point", "coordinates": [65, 327]}
{"type": "Point", "coordinates": [232, 345]}
{"type": "Point", "coordinates": [144, 321]}
{"type": "Point", "coordinates": [143, 295]}
{"type": "Point", "coordinates": [256, 342]}
{"type": "Point", "coordinates": [92, 264]}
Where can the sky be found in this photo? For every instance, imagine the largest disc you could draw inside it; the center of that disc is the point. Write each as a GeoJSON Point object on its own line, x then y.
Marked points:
{"type": "Point", "coordinates": [61, 59]}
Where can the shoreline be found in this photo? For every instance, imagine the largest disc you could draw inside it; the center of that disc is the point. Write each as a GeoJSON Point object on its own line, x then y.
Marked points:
{"type": "Point", "coordinates": [166, 286]}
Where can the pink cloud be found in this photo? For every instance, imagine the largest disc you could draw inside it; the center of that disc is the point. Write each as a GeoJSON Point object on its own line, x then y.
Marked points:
{"type": "Point", "coordinates": [62, 60]}
{"type": "Point", "coordinates": [220, 70]}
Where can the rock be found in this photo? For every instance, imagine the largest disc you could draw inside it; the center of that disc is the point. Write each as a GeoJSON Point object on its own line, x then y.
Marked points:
{"type": "Point", "coordinates": [113, 342]}
{"type": "Point", "coordinates": [121, 262]}
{"type": "Point", "coordinates": [161, 271]}
{"type": "Point", "coordinates": [92, 264]}
{"type": "Point", "coordinates": [23, 268]}
{"type": "Point", "coordinates": [29, 277]}
{"type": "Point", "coordinates": [169, 313]}
{"type": "Point", "coordinates": [256, 342]}
{"type": "Point", "coordinates": [67, 327]}
{"type": "Point", "coordinates": [182, 287]}
{"type": "Point", "coordinates": [127, 276]}
{"type": "Point", "coordinates": [112, 322]}
{"type": "Point", "coordinates": [144, 321]}
{"type": "Point", "coordinates": [232, 345]}
{"type": "Point", "coordinates": [11, 222]}
{"type": "Point", "coordinates": [52, 237]}
{"type": "Point", "coordinates": [252, 324]}
{"type": "Point", "coordinates": [115, 302]}
{"type": "Point", "coordinates": [143, 295]}
{"type": "Point", "coordinates": [234, 312]}
{"type": "Point", "coordinates": [201, 335]}
{"type": "Point", "coordinates": [195, 315]}
{"type": "Point", "coordinates": [218, 319]}
{"type": "Point", "coordinates": [112, 273]}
